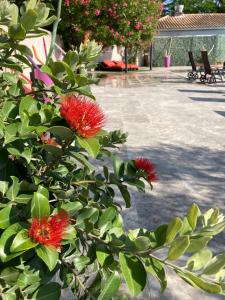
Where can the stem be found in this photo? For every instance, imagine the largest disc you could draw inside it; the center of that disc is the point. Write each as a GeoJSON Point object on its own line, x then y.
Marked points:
{"type": "Point", "coordinates": [54, 31]}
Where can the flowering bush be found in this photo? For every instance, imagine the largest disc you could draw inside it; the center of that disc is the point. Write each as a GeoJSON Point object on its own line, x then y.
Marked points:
{"type": "Point", "coordinates": [120, 22]}
{"type": "Point", "coordinates": [60, 224]}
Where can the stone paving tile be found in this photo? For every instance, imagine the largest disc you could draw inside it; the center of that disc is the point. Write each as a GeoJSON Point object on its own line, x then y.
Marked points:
{"type": "Point", "coordinates": [180, 126]}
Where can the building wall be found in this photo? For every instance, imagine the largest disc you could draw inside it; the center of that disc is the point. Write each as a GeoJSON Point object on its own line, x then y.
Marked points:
{"type": "Point", "coordinates": [180, 45]}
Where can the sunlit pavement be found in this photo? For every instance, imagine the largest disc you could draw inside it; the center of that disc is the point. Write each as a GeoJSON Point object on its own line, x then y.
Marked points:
{"type": "Point", "coordinates": [180, 126]}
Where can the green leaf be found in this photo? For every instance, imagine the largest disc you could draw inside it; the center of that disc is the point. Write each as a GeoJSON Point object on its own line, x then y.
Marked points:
{"type": "Point", "coordinates": [14, 12]}
{"type": "Point", "coordinates": [71, 207]}
{"type": "Point", "coordinates": [192, 216]}
{"type": "Point", "coordinates": [178, 247]}
{"type": "Point", "coordinates": [3, 186]}
{"type": "Point", "coordinates": [17, 32]}
{"type": "Point", "coordinates": [42, 190]}
{"type": "Point", "coordinates": [82, 159]}
{"type": "Point", "coordinates": [48, 22]}
{"type": "Point", "coordinates": [81, 262]}
{"type": "Point", "coordinates": [9, 295]}
{"type": "Point", "coordinates": [50, 291]}
{"type": "Point", "coordinates": [28, 104]}
{"type": "Point", "coordinates": [61, 132]}
{"type": "Point", "coordinates": [5, 216]}
{"type": "Point", "coordinates": [196, 244]}
{"type": "Point", "coordinates": [48, 255]}
{"type": "Point", "coordinates": [199, 259]}
{"type": "Point", "coordinates": [173, 228]}
{"type": "Point", "coordinates": [22, 242]}
{"type": "Point", "coordinates": [40, 206]}
{"type": "Point", "coordinates": [142, 243]}
{"type": "Point", "coordinates": [118, 166]}
{"type": "Point", "coordinates": [215, 265]}
{"type": "Point", "coordinates": [10, 275]}
{"type": "Point", "coordinates": [24, 50]}
{"type": "Point", "coordinates": [23, 198]}
{"type": "Point", "coordinates": [111, 286]}
{"type": "Point", "coordinates": [11, 132]}
{"type": "Point", "coordinates": [31, 4]}
{"type": "Point", "coordinates": [90, 213]}
{"type": "Point", "coordinates": [28, 19]}
{"type": "Point", "coordinates": [199, 282]}
{"type": "Point", "coordinates": [5, 237]}
{"type": "Point", "coordinates": [14, 189]}
{"type": "Point", "coordinates": [156, 269]}
{"type": "Point", "coordinates": [133, 272]}
{"type": "Point", "coordinates": [126, 195]}
{"type": "Point", "coordinates": [91, 145]}
{"type": "Point", "coordinates": [107, 216]}
{"type": "Point", "coordinates": [103, 255]}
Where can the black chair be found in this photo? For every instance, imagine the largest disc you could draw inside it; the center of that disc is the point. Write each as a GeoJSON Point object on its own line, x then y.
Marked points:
{"type": "Point", "coordinates": [196, 69]}
{"type": "Point", "coordinates": [211, 73]}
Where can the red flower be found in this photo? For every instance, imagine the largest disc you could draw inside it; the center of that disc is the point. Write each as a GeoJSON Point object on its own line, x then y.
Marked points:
{"type": "Point", "coordinates": [146, 166]}
{"type": "Point", "coordinates": [84, 116]}
{"type": "Point", "coordinates": [49, 232]}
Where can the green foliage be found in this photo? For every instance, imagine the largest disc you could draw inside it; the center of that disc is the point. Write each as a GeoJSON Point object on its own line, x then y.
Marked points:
{"type": "Point", "coordinates": [129, 23]}
{"type": "Point", "coordinates": [48, 181]}
{"type": "Point", "coordinates": [200, 6]}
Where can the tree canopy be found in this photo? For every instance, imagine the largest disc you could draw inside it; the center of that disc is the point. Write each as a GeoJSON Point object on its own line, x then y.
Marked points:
{"type": "Point", "coordinates": [197, 6]}
{"type": "Point", "coordinates": [110, 22]}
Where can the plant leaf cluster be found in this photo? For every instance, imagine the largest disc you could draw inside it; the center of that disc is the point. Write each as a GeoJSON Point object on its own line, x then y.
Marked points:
{"type": "Point", "coordinates": [85, 178]}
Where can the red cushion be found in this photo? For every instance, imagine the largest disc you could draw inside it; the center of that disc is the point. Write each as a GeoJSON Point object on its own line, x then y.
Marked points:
{"type": "Point", "coordinates": [108, 63]}
{"type": "Point", "coordinates": [119, 63]}
{"type": "Point", "coordinates": [131, 66]}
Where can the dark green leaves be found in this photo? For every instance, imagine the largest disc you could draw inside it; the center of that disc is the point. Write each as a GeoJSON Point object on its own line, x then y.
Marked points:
{"type": "Point", "coordinates": [133, 272]}
{"type": "Point", "coordinates": [48, 255]}
{"type": "Point", "coordinates": [111, 286]}
{"type": "Point", "coordinates": [49, 291]}
{"type": "Point", "coordinates": [91, 145]}
{"type": "Point", "coordinates": [155, 268]}
{"type": "Point", "coordinates": [22, 242]}
{"type": "Point", "coordinates": [40, 205]}
{"type": "Point", "coordinates": [17, 32]}
{"type": "Point", "coordinates": [5, 216]}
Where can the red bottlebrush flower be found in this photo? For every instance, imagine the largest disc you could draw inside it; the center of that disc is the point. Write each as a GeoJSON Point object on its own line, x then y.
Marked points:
{"type": "Point", "coordinates": [84, 116]}
{"type": "Point", "coordinates": [146, 166]}
{"type": "Point", "coordinates": [49, 232]}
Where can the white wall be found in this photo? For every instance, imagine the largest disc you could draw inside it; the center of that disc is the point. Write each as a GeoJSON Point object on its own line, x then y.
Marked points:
{"type": "Point", "coordinates": [112, 53]}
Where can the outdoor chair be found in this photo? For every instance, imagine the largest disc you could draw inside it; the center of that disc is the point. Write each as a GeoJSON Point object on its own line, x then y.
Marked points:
{"type": "Point", "coordinates": [211, 72]}
{"type": "Point", "coordinates": [196, 69]}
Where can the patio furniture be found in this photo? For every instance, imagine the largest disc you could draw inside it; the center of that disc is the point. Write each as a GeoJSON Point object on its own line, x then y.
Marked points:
{"type": "Point", "coordinates": [196, 69]}
{"type": "Point", "coordinates": [211, 72]}
{"type": "Point", "coordinates": [114, 65]}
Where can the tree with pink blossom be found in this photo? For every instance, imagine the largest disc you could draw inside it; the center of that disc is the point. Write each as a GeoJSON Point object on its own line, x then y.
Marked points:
{"type": "Point", "coordinates": [113, 22]}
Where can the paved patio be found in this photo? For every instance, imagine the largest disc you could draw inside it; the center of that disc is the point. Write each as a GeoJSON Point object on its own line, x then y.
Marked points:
{"type": "Point", "coordinates": [180, 127]}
